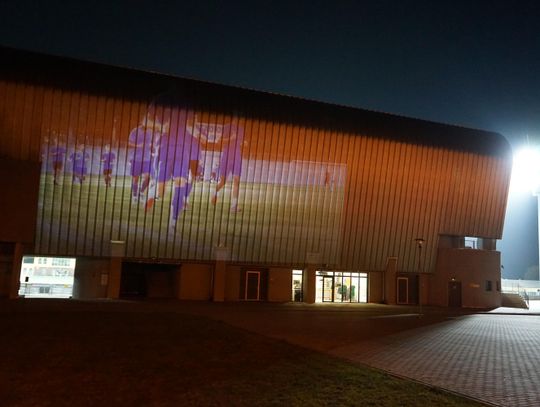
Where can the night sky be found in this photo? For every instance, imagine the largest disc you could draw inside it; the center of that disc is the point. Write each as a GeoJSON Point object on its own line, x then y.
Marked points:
{"type": "Point", "coordinates": [471, 63]}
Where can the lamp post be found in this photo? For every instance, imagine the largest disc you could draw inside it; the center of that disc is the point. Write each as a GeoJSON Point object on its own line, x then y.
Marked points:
{"type": "Point", "coordinates": [419, 243]}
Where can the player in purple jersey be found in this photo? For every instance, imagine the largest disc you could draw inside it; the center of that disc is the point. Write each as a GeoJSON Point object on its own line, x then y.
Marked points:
{"type": "Point", "coordinates": [107, 162]}
{"type": "Point", "coordinates": [79, 158]}
{"type": "Point", "coordinates": [175, 152]}
{"type": "Point", "coordinates": [140, 143]}
{"type": "Point", "coordinates": [57, 153]}
{"type": "Point", "coordinates": [231, 161]}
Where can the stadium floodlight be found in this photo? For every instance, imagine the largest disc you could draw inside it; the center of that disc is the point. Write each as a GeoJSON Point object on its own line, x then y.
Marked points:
{"type": "Point", "coordinates": [526, 176]}
{"type": "Point", "coordinates": [526, 171]}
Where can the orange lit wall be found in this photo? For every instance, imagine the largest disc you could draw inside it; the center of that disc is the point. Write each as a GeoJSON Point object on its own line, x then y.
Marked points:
{"type": "Point", "coordinates": [350, 186]}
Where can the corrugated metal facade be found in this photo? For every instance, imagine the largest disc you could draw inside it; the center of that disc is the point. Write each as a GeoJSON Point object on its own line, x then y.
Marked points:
{"type": "Point", "coordinates": [347, 187]}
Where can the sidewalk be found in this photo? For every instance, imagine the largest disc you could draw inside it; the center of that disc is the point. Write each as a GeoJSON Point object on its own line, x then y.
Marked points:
{"type": "Point", "coordinates": [494, 358]}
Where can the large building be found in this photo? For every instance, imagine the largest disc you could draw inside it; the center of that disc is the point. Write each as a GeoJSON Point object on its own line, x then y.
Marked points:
{"type": "Point", "coordinates": [167, 187]}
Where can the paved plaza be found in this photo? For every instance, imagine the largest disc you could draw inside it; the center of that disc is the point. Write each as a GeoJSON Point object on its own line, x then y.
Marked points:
{"type": "Point", "coordinates": [492, 356]}
{"type": "Point", "coordinates": [495, 358]}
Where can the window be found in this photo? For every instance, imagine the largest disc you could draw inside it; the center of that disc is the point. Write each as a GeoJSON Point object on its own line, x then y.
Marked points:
{"type": "Point", "coordinates": [28, 260]}
{"type": "Point", "coordinates": [471, 243]}
{"type": "Point", "coordinates": [488, 285]}
{"type": "Point", "coordinates": [47, 277]}
{"type": "Point", "coordinates": [59, 261]}
{"type": "Point", "coordinates": [43, 272]}
{"type": "Point", "coordinates": [498, 285]}
{"type": "Point", "coordinates": [63, 272]}
{"type": "Point", "coordinates": [341, 286]}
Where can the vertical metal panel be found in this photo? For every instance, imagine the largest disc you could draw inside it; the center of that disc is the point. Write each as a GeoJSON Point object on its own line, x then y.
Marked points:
{"type": "Point", "coordinates": [359, 188]}
{"type": "Point", "coordinates": [388, 202]}
{"type": "Point", "coordinates": [349, 202]}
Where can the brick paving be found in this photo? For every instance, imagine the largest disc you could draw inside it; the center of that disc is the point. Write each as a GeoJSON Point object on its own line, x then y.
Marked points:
{"type": "Point", "coordinates": [494, 358]}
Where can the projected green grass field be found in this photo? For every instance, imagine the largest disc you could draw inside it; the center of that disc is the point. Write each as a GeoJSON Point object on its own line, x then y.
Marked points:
{"type": "Point", "coordinates": [276, 223]}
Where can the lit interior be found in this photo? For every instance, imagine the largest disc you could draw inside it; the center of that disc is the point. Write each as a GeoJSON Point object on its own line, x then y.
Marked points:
{"type": "Point", "coordinates": [47, 277]}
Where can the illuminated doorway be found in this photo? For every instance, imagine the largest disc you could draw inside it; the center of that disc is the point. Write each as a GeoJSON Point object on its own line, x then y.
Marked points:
{"type": "Point", "coordinates": [47, 277]}
{"type": "Point", "coordinates": [297, 286]}
{"type": "Point", "coordinates": [338, 286]}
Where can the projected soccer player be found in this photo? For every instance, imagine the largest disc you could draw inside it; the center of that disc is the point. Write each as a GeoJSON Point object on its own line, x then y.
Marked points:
{"type": "Point", "coordinates": [230, 163]}
{"type": "Point", "coordinates": [57, 154]}
{"type": "Point", "coordinates": [79, 158]}
{"type": "Point", "coordinates": [107, 162]}
{"type": "Point", "coordinates": [140, 143]}
{"type": "Point", "coordinates": [175, 153]}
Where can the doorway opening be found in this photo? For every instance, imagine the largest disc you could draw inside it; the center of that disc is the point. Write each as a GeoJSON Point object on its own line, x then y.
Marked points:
{"type": "Point", "coordinates": [253, 286]}
{"type": "Point", "coordinates": [297, 286]}
{"type": "Point", "coordinates": [407, 289]}
{"type": "Point", "coordinates": [148, 280]}
{"type": "Point", "coordinates": [454, 294]}
{"type": "Point", "coordinates": [47, 277]}
{"type": "Point", "coordinates": [338, 286]}
{"type": "Point", "coordinates": [402, 290]}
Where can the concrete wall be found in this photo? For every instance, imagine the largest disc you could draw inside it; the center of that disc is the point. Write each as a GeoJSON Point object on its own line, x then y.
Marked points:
{"type": "Point", "coordinates": [375, 287]}
{"type": "Point", "coordinates": [7, 251]}
{"type": "Point", "coordinates": [279, 284]}
{"type": "Point", "coordinates": [5, 277]}
{"type": "Point", "coordinates": [19, 183]}
{"type": "Point", "coordinates": [472, 268]}
{"type": "Point", "coordinates": [232, 284]}
{"type": "Point", "coordinates": [389, 281]}
{"type": "Point", "coordinates": [91, 278]}
{"type": "Point", "coordinates": [196, 282]}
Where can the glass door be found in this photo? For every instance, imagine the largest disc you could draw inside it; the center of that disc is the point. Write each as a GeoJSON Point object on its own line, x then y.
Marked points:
{"type": "Point", "coordinates": [297, 286]}
{"type": "Point", "coordinates": [347, 290]}
{"type": "Point", "coordinates": [328, 289]}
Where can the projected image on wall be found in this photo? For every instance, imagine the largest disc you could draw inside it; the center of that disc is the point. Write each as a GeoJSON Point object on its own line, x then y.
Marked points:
{"type": "Point", "coordinates": [172, 181]}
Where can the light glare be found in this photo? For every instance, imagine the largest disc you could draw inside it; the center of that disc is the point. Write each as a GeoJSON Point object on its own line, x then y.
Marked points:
{"type": "Point", "coordinates": [526, 171]}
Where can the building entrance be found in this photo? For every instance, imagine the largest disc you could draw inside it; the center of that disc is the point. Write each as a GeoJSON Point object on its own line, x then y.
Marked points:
{"type": "Point", "coordinates": [338, 286]}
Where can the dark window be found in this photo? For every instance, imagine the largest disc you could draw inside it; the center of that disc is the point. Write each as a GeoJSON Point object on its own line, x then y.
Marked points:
{"type": "Point", "coordinates": [498, 285]}
{"type": "Point", "coordinates": [488, 285]}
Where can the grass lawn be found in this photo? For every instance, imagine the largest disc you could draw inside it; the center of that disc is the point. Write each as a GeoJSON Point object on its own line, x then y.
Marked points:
{"type": "Point", "coordinates": [86, 354]}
